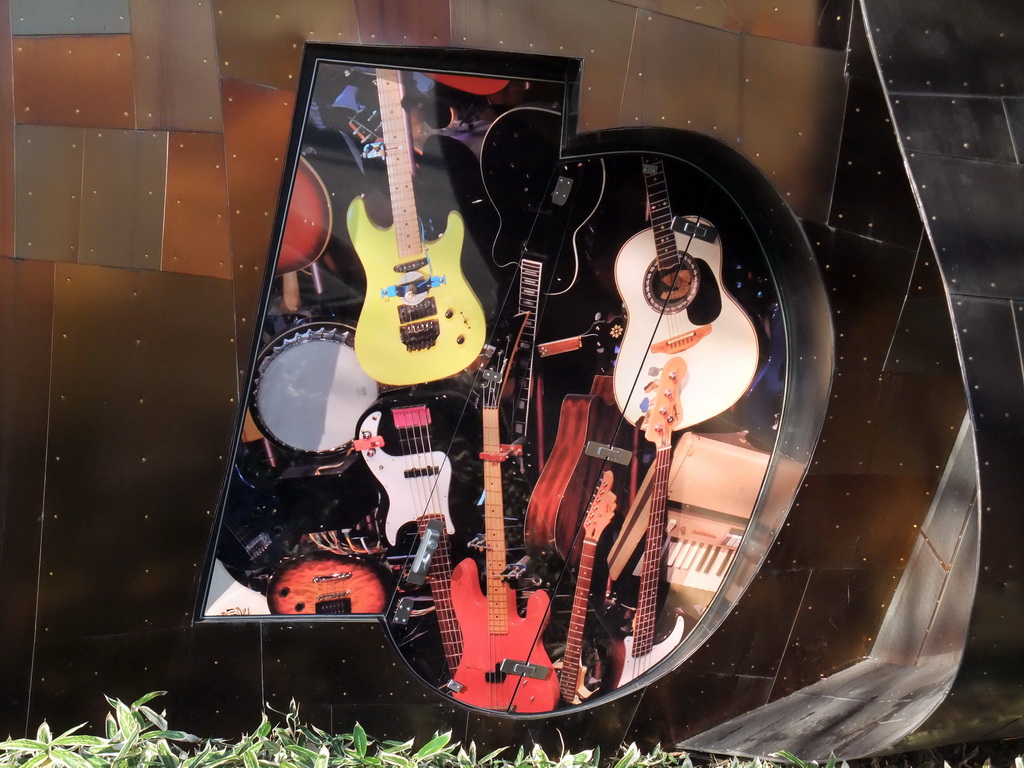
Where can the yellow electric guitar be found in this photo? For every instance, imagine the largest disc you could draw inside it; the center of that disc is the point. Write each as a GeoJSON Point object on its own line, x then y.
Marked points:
{"type": "Point", "coordinates": [420, 320]}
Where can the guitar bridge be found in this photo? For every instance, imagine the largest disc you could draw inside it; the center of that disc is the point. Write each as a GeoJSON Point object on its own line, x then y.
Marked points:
{"type": "Point", "coordinates": [421, 335]}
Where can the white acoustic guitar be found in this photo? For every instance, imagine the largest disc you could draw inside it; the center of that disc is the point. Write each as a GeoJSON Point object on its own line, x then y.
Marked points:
{"type": "Point", "coordinates": [670, 280]}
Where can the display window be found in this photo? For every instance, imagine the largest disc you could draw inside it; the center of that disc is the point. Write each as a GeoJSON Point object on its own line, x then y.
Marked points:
{"type": "Point", "coordinates": [514, 400]}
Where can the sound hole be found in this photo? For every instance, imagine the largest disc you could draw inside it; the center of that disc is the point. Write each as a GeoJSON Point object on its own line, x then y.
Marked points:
{"type": "Point", "coordinates": [672, 290]}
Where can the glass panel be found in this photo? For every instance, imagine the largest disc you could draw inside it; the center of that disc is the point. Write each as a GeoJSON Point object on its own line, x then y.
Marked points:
{"type": "Point", "coordinates": [519, 403]}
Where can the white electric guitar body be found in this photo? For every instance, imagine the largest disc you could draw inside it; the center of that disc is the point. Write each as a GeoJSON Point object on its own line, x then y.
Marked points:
{"type": "Point", "coordinates": [416, 481]}
{"type": "Point", "coordinates": [634, 666]}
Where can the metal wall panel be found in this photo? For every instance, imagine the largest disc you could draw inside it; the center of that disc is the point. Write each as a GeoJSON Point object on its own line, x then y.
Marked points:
{"type": "Point", "coordinates": [176, 72]}
{"type": "Point", "coordinates": [142, 398]}
{"type": "Point", "coordinates": [965, 203]}
{"type": "Point", "coordinates": [196, 237]}
{"type": "Point", "coordinates": [256, 125]}
{"type": "Point", "coordinates": [48, 191]}
{"type": "Point", "coordinates": [208, 677]}
{"type": "Point", "coordinates": [848, 521]}
{"type": "Point", "coordinates": [697, 92]}
{"type": "Point", "coordinates": [557, 27]}
{"type": "Point", "coordinates": [924, 340]}
{"type": "Point", "coordinates": [1015, 116]}
{"type": "Point", "coordinates": [956, 126]}
{"type": "Point", "coordinates": [919, 420]}
{"type": "Point", "coordinates": [871, 195]}
{"type": "Point", "coordinates": [262, 42]}
{"type": "Point", "coordinates": [995, 390]}
{"type": "Point", "coordinates": [70, 17]}
{"type": "Point", "coordinates": [86, 81]}
{"type": "Point", "coordinates": [6, 138]}
{"type": "Point", "coordinates": [867, 283]}
{"type": "Point", "coordinates": [938, 48]}
{"type": "Point", "coordinates": [791, 113]}
{"type": "Point", "coordinates": [784, 116]}
{"type": "Point", "coordinates": [807, 22]}
{"type": "Point", "coordinates": [838, 618]}
{"type": "Point", "coordinates": [123, 182]}
{"type": "Point", "coordinates": [26, 298]}
{"type": "Point", "coordinates": [388, 22]}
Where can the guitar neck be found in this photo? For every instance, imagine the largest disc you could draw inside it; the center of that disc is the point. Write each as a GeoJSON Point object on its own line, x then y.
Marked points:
{"type": "Point", "coordinates": [494, 527]}
{"type": "Point", "coordinates": [650, 569]}
{"type": "Point", "coordinates": [661, 214]}
{"type": "Point", "coordinates": [398, 157]}
{"type": "Point", "coordinates": [440, 576]}
{"type": "Point", "coordinates": [569, 680]}
{"type": "Point", "coordinates": [530, 272]}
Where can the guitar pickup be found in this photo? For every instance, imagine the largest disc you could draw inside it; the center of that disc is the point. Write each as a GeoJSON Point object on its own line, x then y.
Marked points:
{"type": "Point", "coordinates": [610, 452]}
{"type": "Point", "coordinates": [403, 611]}
{"type": "Point", "coordinates": [524, 669]}
{"type": "Point", "coordinates": [695, 230]}
{"type": "Point", "coordinates": [425, 551]}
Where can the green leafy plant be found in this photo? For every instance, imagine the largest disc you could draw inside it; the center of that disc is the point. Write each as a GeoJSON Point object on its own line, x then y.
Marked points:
{"type": "Point", "coordinates": [137, 736]}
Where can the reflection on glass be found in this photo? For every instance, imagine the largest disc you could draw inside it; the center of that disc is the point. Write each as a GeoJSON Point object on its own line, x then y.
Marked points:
{"type": "Point", "coordinates": [519, 404]}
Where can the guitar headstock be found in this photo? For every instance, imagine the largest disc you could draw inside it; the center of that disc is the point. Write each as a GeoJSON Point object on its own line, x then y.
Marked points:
{"type": "Point", "coordinates": [495, 376]}
{"type": "Point", "coordinates": [664, 412]}
{"type": "Point", "coordinates": [602, 507]}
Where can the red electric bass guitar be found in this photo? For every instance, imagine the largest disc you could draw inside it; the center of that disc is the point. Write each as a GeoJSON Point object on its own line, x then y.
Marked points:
{"type": "Point", "coordinates": [504, 665]}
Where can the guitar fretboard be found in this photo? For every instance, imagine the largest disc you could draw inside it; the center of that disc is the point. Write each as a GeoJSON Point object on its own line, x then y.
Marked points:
{"type": "Point", "coordinates": [530, 272]}
{"type": "Point", "coordinates": [661, 215]}
{"type": "Point", "coordinates": [440, 577]}
{"type": "Point", "coordinates": [645, 618]}
{"type": "Point", "coordinates": [398, 157]}
{"type": "Point", "coordinates": [413, 425]}
{"type": "Point", "coordinates": [494, 527]}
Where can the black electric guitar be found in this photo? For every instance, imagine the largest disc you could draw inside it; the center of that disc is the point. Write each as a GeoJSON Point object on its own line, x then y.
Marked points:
{"type": "Point", "coordinates": [542, 203]}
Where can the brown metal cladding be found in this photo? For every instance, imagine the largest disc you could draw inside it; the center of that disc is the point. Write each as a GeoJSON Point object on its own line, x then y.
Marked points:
{"type": "Point", "coordinates": [6, 137]}
{"type": "Point", "coordinates": [792, 101]}
{"type": "Point", "coordinates": [176, 75]}
{"type": "Point", "coordinates": [388, 22]}
{"type": "Point", "coordinates": [123, 180]}
{"type": "Point", "coordinates": [263, 42]}
{"type": "Point", "coordinates": [48, 191]}
{"type": "Point", "coordinates": [704, 99]}
{"type": "Point", "coordinates": [557, 27]}
{"type": "Point", "coordinates": [86, 81]}
{"type": "Point", "coordinates": [784, 116]}
{"type": "Point", "coordinates": [196, 234]}
{"type": "Point", "coordinates": [796, 21]}
{"type": "Point", "coordinates": [257, 122]}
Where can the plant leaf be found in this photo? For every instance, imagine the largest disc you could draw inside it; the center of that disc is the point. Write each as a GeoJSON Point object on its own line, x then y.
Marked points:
{"type": "Point", "coordinates": [81, 740]}
{"type": "Point", "coordinates": [43, 732]}
{"type": "Point", "coordinates": [435, 745]}
{"type": "Point", "coordinates": [23, 744]}
{"type": "Point", "coordinates": [630, 757]}
{"type": "Point", "coordinates": [68, 758]}
{"type": "Point", "coordinates": [359, 740]}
